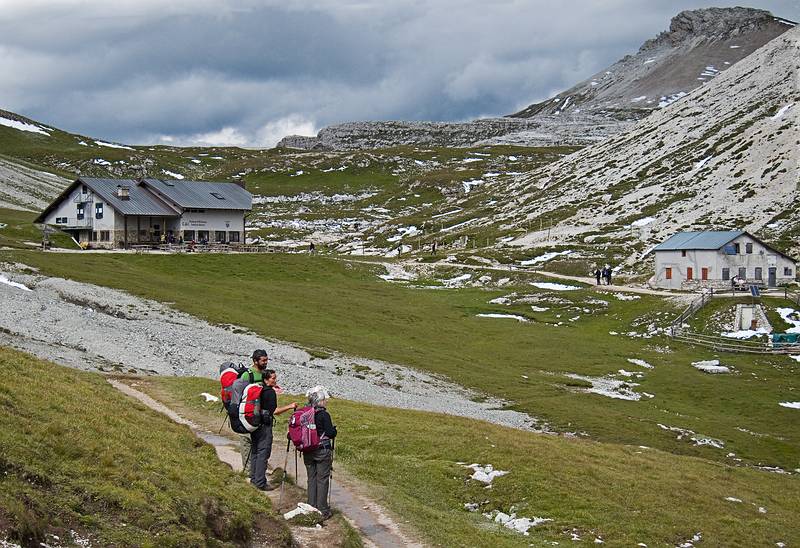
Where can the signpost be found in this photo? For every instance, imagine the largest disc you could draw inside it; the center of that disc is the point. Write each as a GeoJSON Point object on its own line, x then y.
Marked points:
{"type": "Point", "coordinates": [46, 231]}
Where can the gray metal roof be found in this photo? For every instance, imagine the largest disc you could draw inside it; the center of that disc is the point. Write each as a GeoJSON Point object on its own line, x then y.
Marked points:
{"type": "Point", "coordinates": [141, 201]}
{"type": "Point", "coordinates": [202, 194]}
{"type": "Point", "coordinates": [709, 239]}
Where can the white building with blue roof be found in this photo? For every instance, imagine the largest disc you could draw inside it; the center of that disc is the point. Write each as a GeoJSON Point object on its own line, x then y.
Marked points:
{"type": "Point", "coordinates": [688, 260]}
{"type": "Point", "coordinates": [122, 212]}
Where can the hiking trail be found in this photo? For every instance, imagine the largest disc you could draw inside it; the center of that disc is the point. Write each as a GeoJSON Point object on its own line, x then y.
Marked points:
{"type": "Point", "coordinates": [376, 527]}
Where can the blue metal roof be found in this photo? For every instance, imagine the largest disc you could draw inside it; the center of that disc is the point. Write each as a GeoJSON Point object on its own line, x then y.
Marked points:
{"type": "Point", "coordinates": [202, 194]}
{"type": "Point", "coordinates": [709, 239]}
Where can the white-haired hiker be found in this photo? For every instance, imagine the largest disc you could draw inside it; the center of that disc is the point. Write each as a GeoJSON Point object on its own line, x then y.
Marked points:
{"type": "Point", "coordinates": [319, 461]}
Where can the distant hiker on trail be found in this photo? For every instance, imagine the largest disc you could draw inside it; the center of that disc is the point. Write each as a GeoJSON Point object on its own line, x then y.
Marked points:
{"type": "Point", "coordinates": [608, 274]}
{"type": "Point", "coordinates": [311, 248]}
{"type": "Point", "coordinates": [261, 438]}
{"type": "Point", "coordinates": [319, 461]}
{"type": "Point", "coordinates": [597, 275]}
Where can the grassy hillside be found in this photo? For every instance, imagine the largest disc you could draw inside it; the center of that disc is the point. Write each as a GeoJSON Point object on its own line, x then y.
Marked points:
{"type": "Point", "coordinates": [78, 460]}
{"type": "Point", "coordinates": [621, 494]}
{"type": "Point", "coordinates": [322, 303]}
{"type": "Point", "coordinates": [19, 231]}
{"type": "Point", "coordinates": [362, 197]}
{"type": "Point", "coordinates": [67, 154]}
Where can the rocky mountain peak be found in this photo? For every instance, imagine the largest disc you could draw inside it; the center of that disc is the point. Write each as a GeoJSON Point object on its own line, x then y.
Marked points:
{"type": "Point", "coordinates": [699, 45]}
{"type": "Point", "coordinates": [719, 23]}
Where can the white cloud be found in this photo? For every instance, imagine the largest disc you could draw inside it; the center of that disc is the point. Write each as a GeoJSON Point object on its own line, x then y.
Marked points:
{"type": "Point", "coordinates": [225, 137]}
{"type": "Point", "coordinates": [266, 136]}
{"type": "Point", "coordinates": [294, 124]}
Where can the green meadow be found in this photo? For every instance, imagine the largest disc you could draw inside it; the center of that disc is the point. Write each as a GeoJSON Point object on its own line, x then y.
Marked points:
{"type": "Point", "coordinates": [327, 305]}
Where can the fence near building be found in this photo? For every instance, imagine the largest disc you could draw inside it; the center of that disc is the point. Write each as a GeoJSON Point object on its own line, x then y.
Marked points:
{"type": "Point", "coordinates": [680, 332]}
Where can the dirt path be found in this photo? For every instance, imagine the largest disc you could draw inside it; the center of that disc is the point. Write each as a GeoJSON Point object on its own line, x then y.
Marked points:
{"type": "Point", "coordinates": [511, 268]}
{"type": "Point", "coordinates": [376, 526]}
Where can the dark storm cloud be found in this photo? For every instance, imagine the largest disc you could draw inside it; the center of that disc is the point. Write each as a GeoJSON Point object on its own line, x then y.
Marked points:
{"type": "Point", "coordinates": [245, 72]}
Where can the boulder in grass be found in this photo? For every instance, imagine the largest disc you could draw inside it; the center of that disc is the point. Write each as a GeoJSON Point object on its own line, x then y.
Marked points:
{"type": "Point", "coordinates": [304, 515]}
{"type": "Point", "coordinates": [711, 366]}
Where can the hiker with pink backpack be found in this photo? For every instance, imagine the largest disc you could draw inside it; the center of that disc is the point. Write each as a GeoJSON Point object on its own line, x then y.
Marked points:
{"type": "Point", "coordinates": [312, 431]}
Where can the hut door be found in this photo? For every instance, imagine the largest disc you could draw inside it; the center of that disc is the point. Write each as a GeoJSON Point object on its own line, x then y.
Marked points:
{"type": "Point", "coordinates": [772, 282]}
{"type": "Point", "coordinates": [704, 273]}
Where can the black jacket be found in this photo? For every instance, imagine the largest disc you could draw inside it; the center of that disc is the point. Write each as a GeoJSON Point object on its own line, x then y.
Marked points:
{"type": "Point", "coordinates": [269, 403]}
{"type": "Point", "coordinates": [324, 423]}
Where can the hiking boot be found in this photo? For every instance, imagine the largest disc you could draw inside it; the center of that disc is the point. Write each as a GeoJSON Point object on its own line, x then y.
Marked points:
{"type": "Point", "coordinates": [268, 488]}
{"type": "Point", "coordinates": [327, 515]}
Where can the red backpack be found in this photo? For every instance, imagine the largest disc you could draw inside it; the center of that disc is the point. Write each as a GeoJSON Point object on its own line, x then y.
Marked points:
{"type": "Point", "coordinates": [250, 407]}
{"type": "Point", "coordinates": [303, 430]}
{"type": "Point", "coordinates": [228, 373]}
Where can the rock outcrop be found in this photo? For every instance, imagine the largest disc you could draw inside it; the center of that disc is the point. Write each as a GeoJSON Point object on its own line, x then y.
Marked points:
{"type": "Point", "coordinates": [700, 45]}
{"type": "Point", "coordinates": [26, 188]}
{"type": "Point", "coordinates": [542, 131]}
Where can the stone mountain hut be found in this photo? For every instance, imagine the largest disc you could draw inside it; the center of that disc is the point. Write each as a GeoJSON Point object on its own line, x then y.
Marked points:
{"type": "Point", "coordinates": [121, 212]}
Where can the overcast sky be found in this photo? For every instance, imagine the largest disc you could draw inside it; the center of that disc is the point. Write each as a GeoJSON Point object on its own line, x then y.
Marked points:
{"type": "Point", "coordinates": [247, 72]}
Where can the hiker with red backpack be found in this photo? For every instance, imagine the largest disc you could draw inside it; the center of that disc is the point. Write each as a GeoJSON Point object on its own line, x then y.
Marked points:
{"type": "Point", "coordinates": [260, 406]}
{"type": "Point", "coordinates": [252, 403]}
{"type": "Point", "coordinates": [229, 373]}
{"type": "Point", "coordinates": [312, 431]}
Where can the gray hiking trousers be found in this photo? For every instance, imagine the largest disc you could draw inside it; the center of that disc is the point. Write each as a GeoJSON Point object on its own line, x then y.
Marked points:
{"type": "Point", "coordinates": [318, 467]}
{"type": "Point", "coordinates": [261, 441]}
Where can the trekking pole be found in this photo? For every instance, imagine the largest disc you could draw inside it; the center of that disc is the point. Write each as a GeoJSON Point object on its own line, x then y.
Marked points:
{"type": "Point", "coordinates": [283, 476]}
{"type": "Point", "coordinates": [330, 486]}
{"type": "Point", "coordinates": [224, 421]}
{"type": "Point", "coordinates": [247, 460]}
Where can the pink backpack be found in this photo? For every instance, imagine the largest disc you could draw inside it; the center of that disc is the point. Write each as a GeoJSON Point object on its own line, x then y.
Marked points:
{"type": "Point", "coordinates": [303, 430]}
